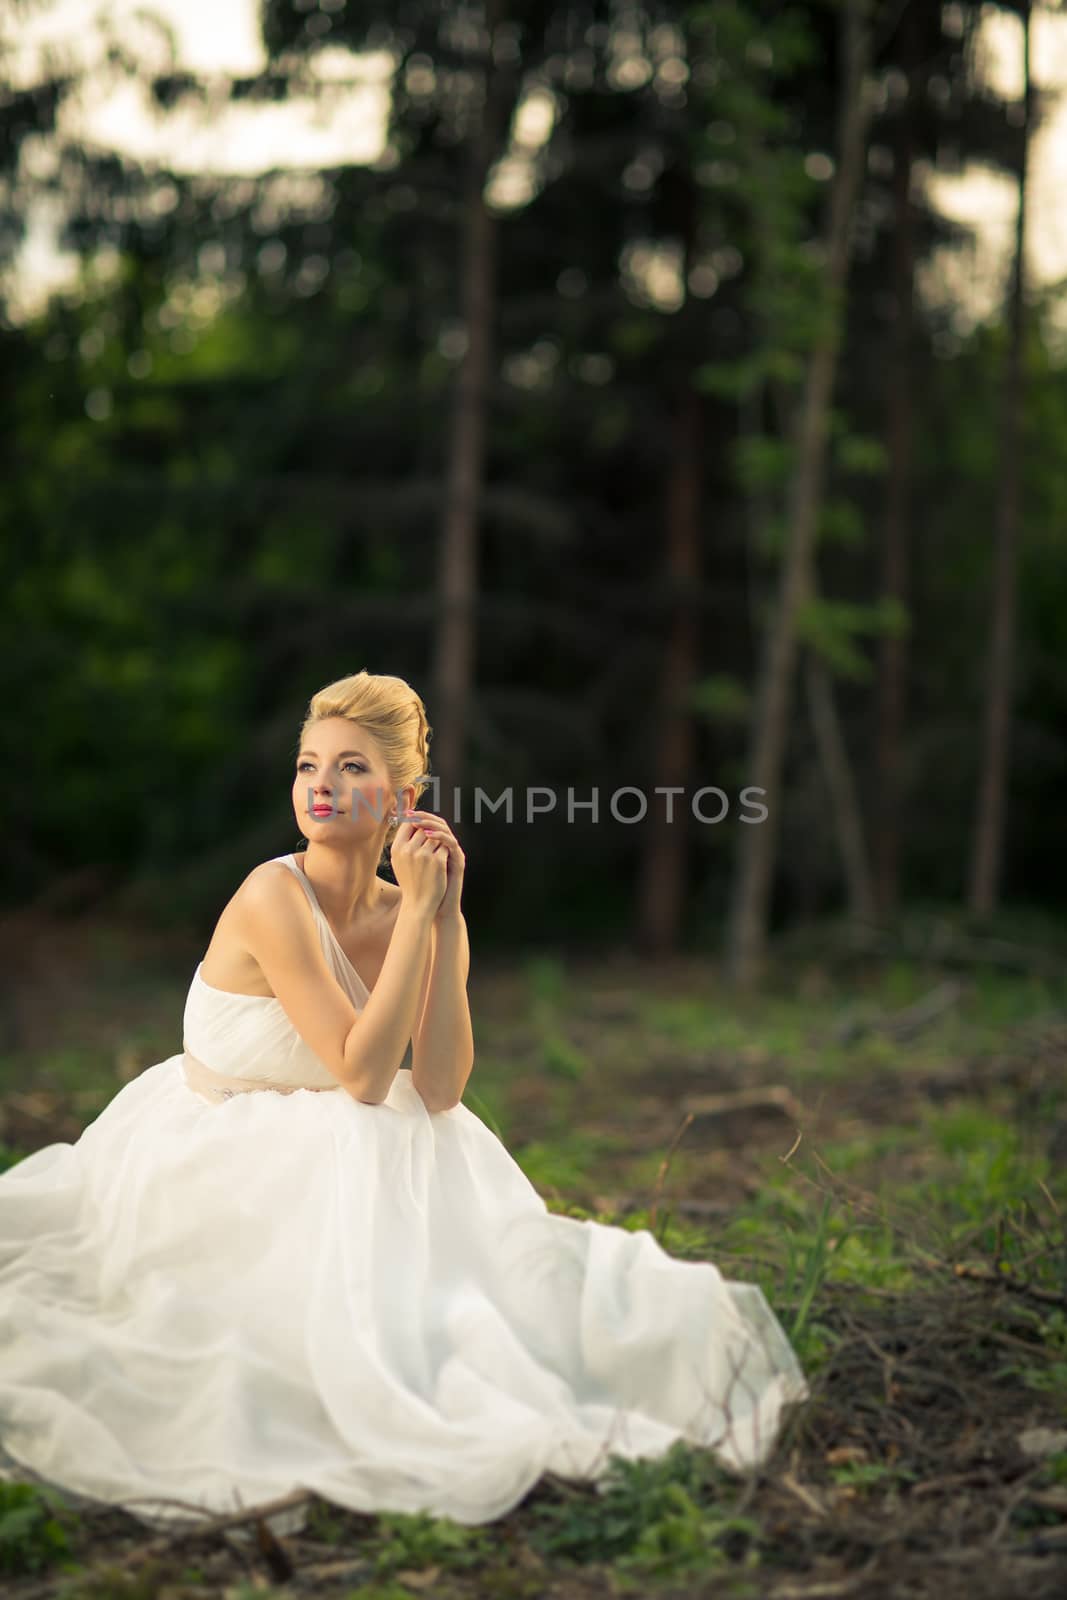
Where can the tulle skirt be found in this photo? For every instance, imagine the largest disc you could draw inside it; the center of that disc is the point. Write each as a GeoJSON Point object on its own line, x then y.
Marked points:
{"type": "Point", "coordinates": [220, 1303]}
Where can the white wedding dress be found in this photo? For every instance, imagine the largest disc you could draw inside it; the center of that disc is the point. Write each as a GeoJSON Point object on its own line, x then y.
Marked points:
{"type": "Point", "coordinates": [216, 1301]}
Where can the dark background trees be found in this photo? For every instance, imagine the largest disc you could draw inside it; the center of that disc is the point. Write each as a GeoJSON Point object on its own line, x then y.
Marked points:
{"type": "Point", "coordinates": [517, 411]}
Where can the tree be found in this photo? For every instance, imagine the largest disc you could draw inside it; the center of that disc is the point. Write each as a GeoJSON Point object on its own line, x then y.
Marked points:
{"type": "Point", "coordinates": [896, 530]}
{"type": "Point", "coordinates": [988, 843]}
{"type": "Point", "coordinates": [750, 906]}
{"type": "Point", "coordinates": [455, 634]}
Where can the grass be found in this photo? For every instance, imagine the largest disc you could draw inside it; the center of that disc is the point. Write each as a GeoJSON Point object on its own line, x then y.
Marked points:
{"type": "Point", "coordinates": [907, 1227]}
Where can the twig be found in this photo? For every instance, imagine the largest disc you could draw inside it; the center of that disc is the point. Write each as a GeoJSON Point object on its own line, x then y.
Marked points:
{"type": "Point", "coordinates": [141, 1555]}
{"type": "Point", "coordinates": [791, 1152]}
{"type": "Point", "coordinates": [1054, 1539]}
{"type": "Point", "coordinates": [985, 1275]}
{"type": "Point", "coordinates": [1015, 1499]}
{"type": "Point", "coordinates": [828, 1589]}
{"type": "Point", "coordinates": [350, 1568]}
{"type": "Point", "coordinates": [664, 1164]}
{"type": "Point", "coordinates": [953, 1480]}
{"type": "Point", "coordinates": [804, 1495]}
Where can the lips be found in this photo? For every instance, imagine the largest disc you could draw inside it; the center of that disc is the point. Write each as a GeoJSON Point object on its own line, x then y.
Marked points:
{"type": "Point", "coordinates": [323, 811]}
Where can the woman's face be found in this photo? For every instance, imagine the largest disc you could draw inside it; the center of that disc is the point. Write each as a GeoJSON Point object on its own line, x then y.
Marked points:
{"type": "Point", "coordinates": [340, 769]}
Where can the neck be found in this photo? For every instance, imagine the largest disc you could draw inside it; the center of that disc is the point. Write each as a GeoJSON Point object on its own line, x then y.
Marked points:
{"type": "Point", "coordinates": [345, 881]}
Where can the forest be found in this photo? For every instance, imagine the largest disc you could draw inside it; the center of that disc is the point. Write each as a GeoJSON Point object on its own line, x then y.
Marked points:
{"type": "Point", "coordinates": [631, 391]}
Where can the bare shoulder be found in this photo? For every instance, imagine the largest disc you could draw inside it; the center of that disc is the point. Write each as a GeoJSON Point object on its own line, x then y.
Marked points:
{"type": "Point", "coordinates": [267, 873]}
{"type": "Point", "coordinates": [270, 889]}
{"type": "Point", "coordinates": [260, 901]}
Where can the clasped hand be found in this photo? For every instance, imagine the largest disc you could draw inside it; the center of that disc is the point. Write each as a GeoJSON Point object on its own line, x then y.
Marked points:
{"type": "Point", "coordinates": [428, 863]}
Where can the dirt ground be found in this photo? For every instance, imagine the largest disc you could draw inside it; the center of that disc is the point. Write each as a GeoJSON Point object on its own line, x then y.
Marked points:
{"type": "Point", "coordinates": [931, 1458]}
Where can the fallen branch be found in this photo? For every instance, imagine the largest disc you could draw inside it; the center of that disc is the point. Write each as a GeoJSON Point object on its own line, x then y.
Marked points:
{"type": "Point", "coordinates": [987, 1275]}
{"type": "Point", "coordinates": [903, 1024]}
{"type": "Point", "coordinates": [772, 1096]}
{"type": "Point", "coordinates": [828, 1589]}
{"type": "Point", "coordinates": [211, 1526]}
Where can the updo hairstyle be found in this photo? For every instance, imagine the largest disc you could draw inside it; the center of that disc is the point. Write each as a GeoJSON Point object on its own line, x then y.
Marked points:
{"type": "Point", "coordinates": [393, 712]}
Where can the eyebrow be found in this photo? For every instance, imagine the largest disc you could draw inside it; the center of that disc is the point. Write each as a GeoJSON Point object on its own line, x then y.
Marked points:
{"type": "Point", "coordinates": [341, 754]}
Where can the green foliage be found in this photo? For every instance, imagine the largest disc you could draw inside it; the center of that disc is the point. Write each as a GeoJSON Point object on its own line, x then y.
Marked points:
{"type": "Point", "coordinates": [564, 1161]}
{"type": "Point", "coordinates": [482, 1107]}
{"type": "Point", "coordinates": [546, 980]}
{"type": "Point", "coordinates": [861, 455]}
{"type": "Point", "coordinates": [686, 1241]}
{"type": "Point", "coordinates": [866, 1475]}
{"type": "Point", "coordinates": [990, 1170]}
{"type": "Point", "coordinates": [420, 1540]}
{"type": "Point", "coordinates": [654, 1519]}
{"type": "Point", "coordinates": [548, 987]}
{"type": "Point", "coordinates": [807, 1268]}
{"type": "Point", "coordinates": [1055, 1468]}
{"type": "Point", "coordinates": [737, 380]}
{"type": "Point", "coordinates": [721, 699]}
{"type": "Point", "coordinates": [841, 522]}
{"type": "Point", "coordinates": [244, 432]}
{"type": "Point", "coordinates": [872, 1257]}
{"type": "Point", "coordinates": [371, 1591]}
{"type": "Point", "coordinates": [34, 1522]}
{"type": "Point", "coordinates": [548, 1167]}
{"type": "Point", "coordinates": [763, 463]}
{"type": "Point", "coordinates": [1046, 1371]}
{"type": "Point", "coordinates": [831, 627]}
{"type": "Point", "coordinates": [156, 1577]}
{"type": "Point", "coordinates": [10, 1156]}
{"type": "Point", "coordinates": [324, 1524]}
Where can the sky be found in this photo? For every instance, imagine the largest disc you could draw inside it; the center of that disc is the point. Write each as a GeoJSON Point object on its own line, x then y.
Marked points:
{"type": "Point", "coordinates": [344, 121]}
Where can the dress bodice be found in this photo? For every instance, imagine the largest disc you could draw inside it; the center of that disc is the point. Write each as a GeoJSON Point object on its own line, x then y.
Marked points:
{"type": "Point", "coordinates": [250, 1036]}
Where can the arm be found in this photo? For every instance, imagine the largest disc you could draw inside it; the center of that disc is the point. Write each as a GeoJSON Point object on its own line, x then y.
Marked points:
{"type": "Point", "coordinates": [443, 1041]}
{"type": "Point", "coordinates": [361, 1048]}
{"type": "Point", "coordinates": [389, 1015]}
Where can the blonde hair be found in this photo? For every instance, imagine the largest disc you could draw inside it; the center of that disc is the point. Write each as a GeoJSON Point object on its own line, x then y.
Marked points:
{"type": "Point", "coordinates": [393, 712]}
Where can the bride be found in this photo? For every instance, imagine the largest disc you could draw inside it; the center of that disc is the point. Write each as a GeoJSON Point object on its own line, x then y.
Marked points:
{"type": "Point", "coordinates": [289, 1256]}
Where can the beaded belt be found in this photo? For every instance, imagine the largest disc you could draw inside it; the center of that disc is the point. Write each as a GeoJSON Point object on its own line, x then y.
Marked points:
{"type": "Point", "coordinates": [217, 1086]}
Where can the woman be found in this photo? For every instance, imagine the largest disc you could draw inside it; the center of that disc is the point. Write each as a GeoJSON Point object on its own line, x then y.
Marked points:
{"type": "Point", "coordinates": [284, 1259]}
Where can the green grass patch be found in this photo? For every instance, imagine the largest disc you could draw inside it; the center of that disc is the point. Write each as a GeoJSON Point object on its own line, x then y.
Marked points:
{"type": "Point", "coordinates": [35, 1524]}
{"type": "Point", "coordinates": [661, 1519]}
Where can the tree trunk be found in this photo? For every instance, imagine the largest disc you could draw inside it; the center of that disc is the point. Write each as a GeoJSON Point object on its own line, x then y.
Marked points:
{"type": "Point", "coordinates": [758, 842]}
{"type": "Point", "coordinates": [454, 644]}
{"type": "Point", "coordinates": [841, 787]}
{"type": "Point", "coordinates": [893, 649]}
{"type": "Point", "coordinates": [663, 865]}
{"type": "Point", "coordinates": [661, 891]}
{"type": "Point", "coordinates": [989, 825]}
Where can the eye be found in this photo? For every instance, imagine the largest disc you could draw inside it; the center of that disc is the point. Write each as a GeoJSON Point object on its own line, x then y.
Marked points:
{"type": "Point", "coordinates": [358, 765]}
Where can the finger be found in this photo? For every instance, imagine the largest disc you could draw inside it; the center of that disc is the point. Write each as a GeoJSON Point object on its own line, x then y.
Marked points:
{"type": "Point", "coordinates": [440, 836]}
{"type": "Point", "coordinates": [429, 826]}
{"type": "Point", "coordinates": [431, 817]}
